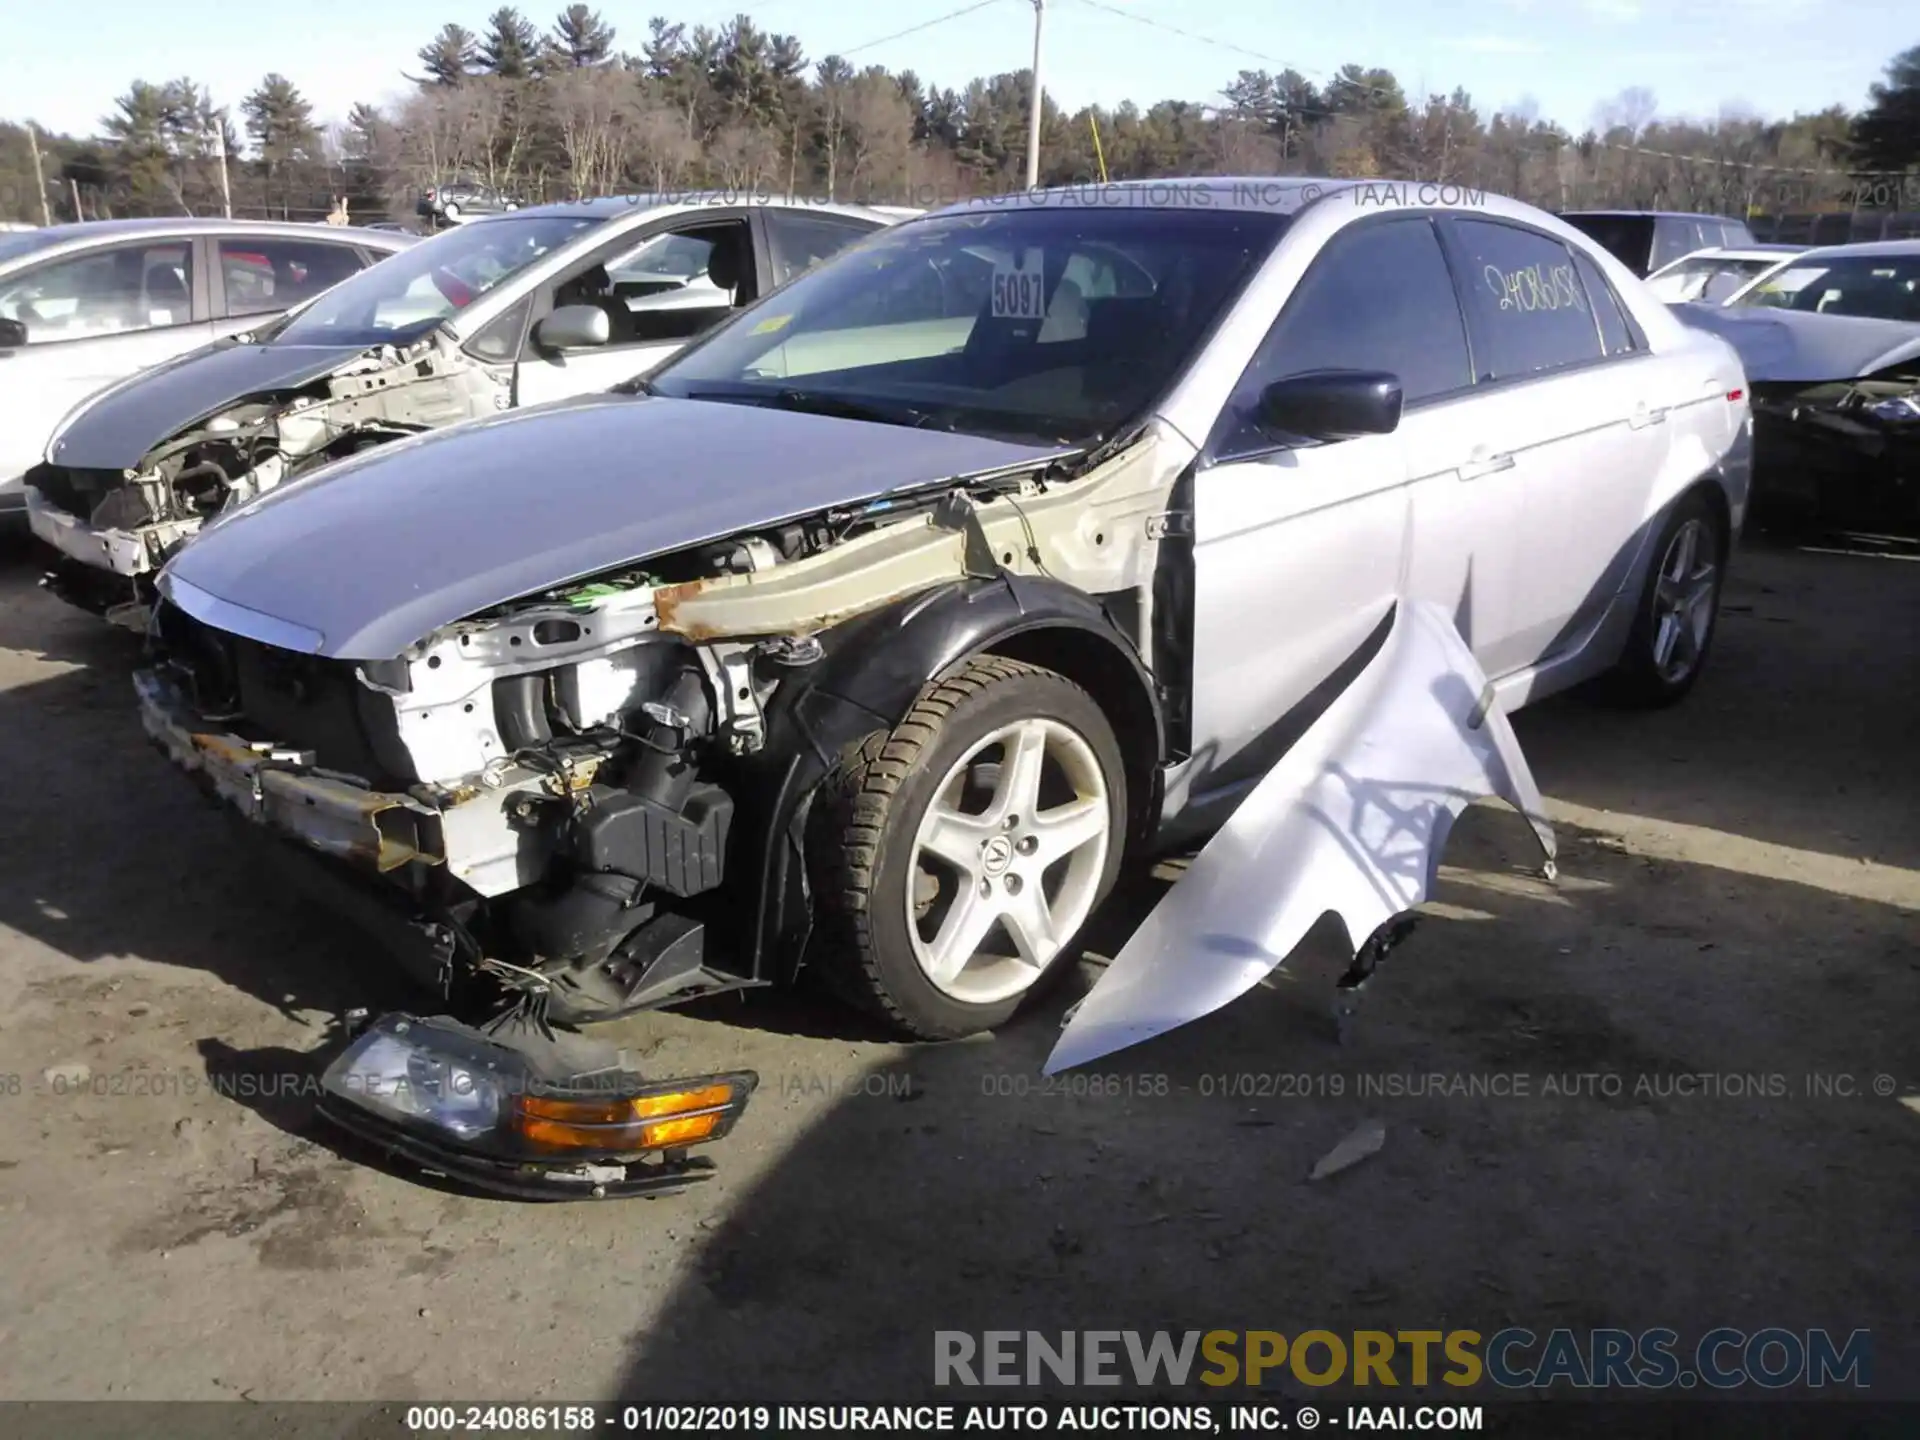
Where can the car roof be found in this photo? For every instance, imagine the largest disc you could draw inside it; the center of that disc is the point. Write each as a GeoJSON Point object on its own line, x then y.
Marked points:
{"type": "Point", "coordinates": [604, 207]}
{"type": "Point", "coordinates": [1655, 215]}
{"type": "Point", "coordinates": [1864, 250]}
{"type": "Point", "coordinates": [52, 239]}
{"type": "Point", "coordinates": [1258, 194]}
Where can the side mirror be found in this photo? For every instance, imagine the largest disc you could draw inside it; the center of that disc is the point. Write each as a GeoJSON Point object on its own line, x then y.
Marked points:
{"type": "Point", "coordinates": [574, 327]}
{"type": "Point", "coordinates": [1332, 404]}
{"type": "Point", "coordinates": [13, 335]}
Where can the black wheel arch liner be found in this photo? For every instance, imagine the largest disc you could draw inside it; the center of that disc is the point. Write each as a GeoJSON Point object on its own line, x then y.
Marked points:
{"type": "Point", "coordinates": [874, 668]}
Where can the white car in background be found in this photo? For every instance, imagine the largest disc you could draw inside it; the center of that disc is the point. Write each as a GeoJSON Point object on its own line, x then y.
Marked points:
{"type": "Point", "coordinates": [82, 306]}
{"type": "Point", "coordinates": [496, 313]}
{"type": "Point", "coordinates": [1712, 276]}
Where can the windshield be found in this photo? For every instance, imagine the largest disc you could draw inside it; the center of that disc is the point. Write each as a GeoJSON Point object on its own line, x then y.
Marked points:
{"type": "Point", "coordinates": [1711, 278]}
{"type": "Point", "coordinates": [1053, 324]}
{"type": "Point", "coordinates": [1883, 287]}
{"type": "Point", "coordinates": [422, 285]}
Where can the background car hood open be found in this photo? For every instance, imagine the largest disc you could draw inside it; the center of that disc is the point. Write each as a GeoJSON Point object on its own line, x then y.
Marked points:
{"type": "Point", "coordinates": [374, 552]}
{"type": "Point", "coordinates": [1805, 347]}
{"type": "Point", "coordinates": [121, 424]}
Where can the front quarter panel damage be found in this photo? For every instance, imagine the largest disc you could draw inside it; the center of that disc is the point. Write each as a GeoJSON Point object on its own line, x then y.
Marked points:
{"type": "Point", "coordinates": [1352, 821]}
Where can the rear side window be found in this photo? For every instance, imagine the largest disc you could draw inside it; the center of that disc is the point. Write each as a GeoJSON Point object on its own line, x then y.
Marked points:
{"type": "Point", "coordinates": [800, 242]}
{"type": "Point", "coordinates": [1529, 309]}
{"type": "Point", "coordinates": [1615, 334]}
{"type": "Point", "coordinates": [269, 274]}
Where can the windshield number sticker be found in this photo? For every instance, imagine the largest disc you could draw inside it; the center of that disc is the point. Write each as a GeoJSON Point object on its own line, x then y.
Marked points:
{"type": "Point", "coordinates": [1019, 289]}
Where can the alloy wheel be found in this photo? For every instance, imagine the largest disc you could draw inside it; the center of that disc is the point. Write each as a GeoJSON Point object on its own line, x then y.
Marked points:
{"type": "Point", "coordinates": [1683, 600]}
{"type": "Point", "coordinates": [1007, 860]}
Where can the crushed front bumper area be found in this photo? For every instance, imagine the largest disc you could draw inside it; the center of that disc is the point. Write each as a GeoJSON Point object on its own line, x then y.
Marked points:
{"type": "Point", "coordinates": [280, 790]}
{"type": "Point", "coordinates": [129, 553]}
{"type": "Point", "coordinates": [526, 1111]}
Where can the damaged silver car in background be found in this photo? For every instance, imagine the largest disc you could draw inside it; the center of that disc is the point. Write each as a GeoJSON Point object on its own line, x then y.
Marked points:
{"type": "Point", "coordinates": [505, 310]}
{"type": "Point", "coordinates": [1831, 345]}
{"type": "Point", "coordinates": [867, 637]}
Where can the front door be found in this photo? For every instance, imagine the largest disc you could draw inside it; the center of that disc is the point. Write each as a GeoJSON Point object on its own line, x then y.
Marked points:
{"type": "Point", "coordinates": [660, 290]}
{"type": "Point", "coordinates": [1300, 549]}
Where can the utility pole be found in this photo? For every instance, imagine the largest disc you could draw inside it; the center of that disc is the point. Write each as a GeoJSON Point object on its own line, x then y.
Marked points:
{"type": "Point", "coordinates": [220, 153]}
{"type": "Point", "coordinates": [39, 176]}
{"type": "Point", "coordinates": [1033, 116]}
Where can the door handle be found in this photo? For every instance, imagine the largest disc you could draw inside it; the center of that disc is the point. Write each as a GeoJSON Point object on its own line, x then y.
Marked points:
{"type": "Point", "coordinates": [1485, 464]}
{"type": "Point", "coordinates": [1643, 417]}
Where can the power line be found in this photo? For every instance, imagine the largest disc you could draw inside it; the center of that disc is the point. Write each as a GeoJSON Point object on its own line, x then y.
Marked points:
{"type": "Point", "coordinates": [1320, 112]}
{"type": "Point", "coordinates": [1228, 45]}
{"type": "Point", "coordinates": [916, 29]}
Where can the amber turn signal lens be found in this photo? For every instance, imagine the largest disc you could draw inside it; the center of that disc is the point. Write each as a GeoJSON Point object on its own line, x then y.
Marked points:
{"type": "Point", "coordinates": [660, 1120]}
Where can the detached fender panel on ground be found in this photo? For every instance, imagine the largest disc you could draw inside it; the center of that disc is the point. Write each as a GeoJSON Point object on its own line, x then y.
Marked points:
{"type": "Point", "coordinates": [1352, 821]}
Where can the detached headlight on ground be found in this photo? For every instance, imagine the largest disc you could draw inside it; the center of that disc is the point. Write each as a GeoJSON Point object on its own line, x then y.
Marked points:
{"type": "Point", "coordinates": [527, 1113]}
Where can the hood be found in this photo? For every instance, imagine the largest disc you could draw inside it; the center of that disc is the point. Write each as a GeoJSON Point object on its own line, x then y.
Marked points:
{"type": "Point", "coordinates": [1805, 347]}
{"type": "Point", "coordinates": [372, 553]}
{"type": "Point", "coordinates": [117, 427]}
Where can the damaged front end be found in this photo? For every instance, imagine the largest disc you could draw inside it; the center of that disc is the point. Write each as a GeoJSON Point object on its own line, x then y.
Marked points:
{"type": "Point", "coordinates": [547, 790]}
{"type": "Point", "coordinates": [1840, 452]}
{"type": "Point", "coordinates": [114, 527]}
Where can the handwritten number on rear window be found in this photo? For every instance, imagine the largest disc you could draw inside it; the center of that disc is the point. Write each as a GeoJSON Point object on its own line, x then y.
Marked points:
{"type": "Point", "coordinates": [1535, 287]}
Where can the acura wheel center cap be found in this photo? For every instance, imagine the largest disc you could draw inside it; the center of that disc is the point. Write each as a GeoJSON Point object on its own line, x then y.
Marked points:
{"type": "Point", "coordinates": [996, 855]}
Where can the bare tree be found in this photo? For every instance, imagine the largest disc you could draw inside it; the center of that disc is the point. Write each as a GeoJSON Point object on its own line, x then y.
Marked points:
{"type": "Point", "coordinates": [593, 115]}
{"type": "Point", "coordinates": [879, 133]}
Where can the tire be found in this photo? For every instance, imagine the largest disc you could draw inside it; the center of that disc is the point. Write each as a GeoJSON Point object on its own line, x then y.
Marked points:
{"type": "Point", "coordinates": [1641, 677]}
{"type": "Point", "coordinates": [939, 778]}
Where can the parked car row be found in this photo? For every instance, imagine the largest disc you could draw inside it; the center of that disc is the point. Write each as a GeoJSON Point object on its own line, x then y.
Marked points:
{"type": "Point", "coordinates": [83, 306]}
{"type": "Point", "coordinates": [677, 601]}
{"type": "Point", "coordinates": [503, 311]}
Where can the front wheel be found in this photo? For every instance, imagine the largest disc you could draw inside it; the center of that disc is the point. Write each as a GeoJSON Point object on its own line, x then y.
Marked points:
{"type": "Point", "coordinates": [1674, 623]}
{"type": "Point", "coordinates": [957, 856]}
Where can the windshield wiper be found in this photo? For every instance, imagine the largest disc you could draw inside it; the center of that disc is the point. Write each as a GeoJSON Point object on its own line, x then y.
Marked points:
{"type": "Point", "coordinates": [814, 402]}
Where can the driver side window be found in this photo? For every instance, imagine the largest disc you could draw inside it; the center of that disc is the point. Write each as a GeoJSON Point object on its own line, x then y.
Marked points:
{"type": "Point", "coordinates": [672, 285]}
{"type": "Point", "coordinates": [1378, 297]}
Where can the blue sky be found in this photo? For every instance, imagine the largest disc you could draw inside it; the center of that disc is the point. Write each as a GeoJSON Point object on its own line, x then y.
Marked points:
{"type": "Point", "coordinates": [1769, 57]}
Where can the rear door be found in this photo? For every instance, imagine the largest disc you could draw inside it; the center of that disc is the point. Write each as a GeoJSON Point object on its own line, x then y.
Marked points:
{"type": "Point", "coordinates": [92, 319]}
{"type": "Point", "coordinates": [1573, 415]}
{"type": "Point", "coordinates": [258, 276]}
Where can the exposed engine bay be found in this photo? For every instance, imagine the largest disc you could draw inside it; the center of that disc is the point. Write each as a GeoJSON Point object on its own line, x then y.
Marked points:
{"type": "Point", "coordinates": [549, 786]}
{"type": "Point", "coordinates": [120, 526]}
{"type": "Point", "coordinates": [1843, 452]}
